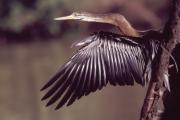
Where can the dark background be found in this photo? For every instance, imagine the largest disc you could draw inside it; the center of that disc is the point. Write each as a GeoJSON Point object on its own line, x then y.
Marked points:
{"type": "Point", "coordinates": [33, 46]}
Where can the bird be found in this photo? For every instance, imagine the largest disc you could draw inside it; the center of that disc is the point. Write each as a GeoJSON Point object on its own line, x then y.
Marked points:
{"type": "Point", "coordinates": [102, 58]}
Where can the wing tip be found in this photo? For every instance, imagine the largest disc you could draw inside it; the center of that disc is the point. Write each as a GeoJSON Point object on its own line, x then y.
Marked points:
{"type": "Point", "coordinates": [43, 88]}
{"type": "Point", "coordinates": [56, 108]}
{"type": "Point", "coordinates": [49, 103]}
{"type": "Point", "coordinates": [44, 98]}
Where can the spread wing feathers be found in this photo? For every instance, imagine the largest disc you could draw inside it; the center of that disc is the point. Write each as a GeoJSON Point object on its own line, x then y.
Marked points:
{"type": "Point", "coordinates": [103, 58]}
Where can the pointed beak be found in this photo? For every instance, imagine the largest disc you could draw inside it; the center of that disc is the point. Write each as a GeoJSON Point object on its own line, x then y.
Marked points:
{"type": "Point", "coordinates": [70, 17]}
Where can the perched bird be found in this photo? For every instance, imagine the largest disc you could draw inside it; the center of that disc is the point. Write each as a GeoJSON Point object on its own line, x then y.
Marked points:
{"type": "Point", "coordinates": [103, 58]}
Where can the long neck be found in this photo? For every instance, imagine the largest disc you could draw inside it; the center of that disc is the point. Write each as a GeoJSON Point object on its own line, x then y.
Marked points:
{"type": "Point", "coordinates": [118, 20]}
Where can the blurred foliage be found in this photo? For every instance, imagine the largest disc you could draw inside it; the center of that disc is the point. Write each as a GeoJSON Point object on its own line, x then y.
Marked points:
{"type": "Point", "coordinates": [20, 15]}
{"type": "Point", "coordinates": [17, 15]}
{"type": "Point", "coordinates": [19, 18]}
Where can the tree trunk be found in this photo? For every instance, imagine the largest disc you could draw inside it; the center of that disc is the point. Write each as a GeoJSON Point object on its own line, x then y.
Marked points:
{"type": "Point", "coordinates": [169, 39]}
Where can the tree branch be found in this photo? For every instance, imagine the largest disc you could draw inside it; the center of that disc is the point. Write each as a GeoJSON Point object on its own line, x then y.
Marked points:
{"type": "Point", "coordinates": [170, 37]}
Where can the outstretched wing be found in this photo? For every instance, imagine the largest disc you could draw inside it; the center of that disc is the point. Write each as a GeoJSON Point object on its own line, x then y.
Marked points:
{"type": "Point", "coordinates": [104, 57]}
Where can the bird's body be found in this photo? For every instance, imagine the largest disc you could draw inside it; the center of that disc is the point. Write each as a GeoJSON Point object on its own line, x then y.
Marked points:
{"type": "Point", "coordinates": [103, 58]}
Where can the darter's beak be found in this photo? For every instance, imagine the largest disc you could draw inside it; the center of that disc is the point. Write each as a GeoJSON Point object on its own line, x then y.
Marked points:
{"type": "Point", "coordinates": [70, 17]}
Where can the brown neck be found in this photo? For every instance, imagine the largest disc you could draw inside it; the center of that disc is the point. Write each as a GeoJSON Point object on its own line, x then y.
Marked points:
{"type": "Point", "coordinates": [121, 22]}
{"type": "Point", "coordinates": [125, 27]}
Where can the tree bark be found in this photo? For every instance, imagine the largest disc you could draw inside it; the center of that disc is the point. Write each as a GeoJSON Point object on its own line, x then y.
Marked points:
{"type": "Point", "coordinates": [169, 39]}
